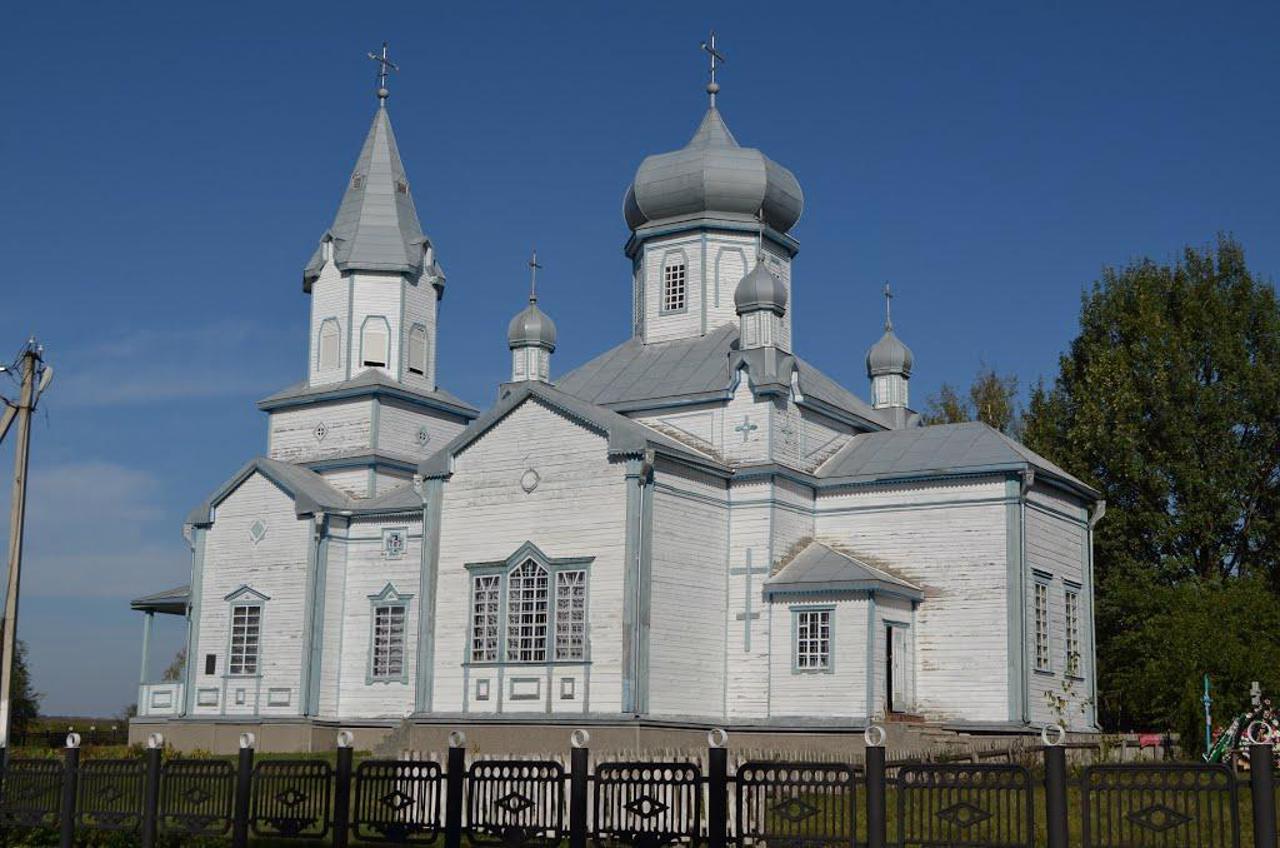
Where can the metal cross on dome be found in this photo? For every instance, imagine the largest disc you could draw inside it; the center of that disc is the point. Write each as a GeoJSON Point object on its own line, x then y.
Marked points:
{"type": "Point", "coordinates": [709, 46]}
{"type": "Point", "coordinates": [384, 65]}
{"type": "Point", "coordinates": [888, 299]}
{"type": "Point", "coordinates": [533, 276]}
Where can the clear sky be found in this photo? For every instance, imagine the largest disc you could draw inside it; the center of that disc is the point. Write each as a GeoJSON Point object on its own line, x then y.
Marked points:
{"type": "Point", "coordinates": [167, 171]}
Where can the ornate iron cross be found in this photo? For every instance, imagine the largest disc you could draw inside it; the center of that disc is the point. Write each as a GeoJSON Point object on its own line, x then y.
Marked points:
{"type": "Point", "coordinates": [384, 65]}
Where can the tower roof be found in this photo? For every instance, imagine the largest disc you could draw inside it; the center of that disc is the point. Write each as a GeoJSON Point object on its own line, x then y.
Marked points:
{"type": "Point", "coordinates": [531, 326]}
{"type": "Point", "coordinates": [760, 289]}
{"type": "Point", "coordinates": [889, 356]}
{"type": "Point", "coordinates": [376, 228]}
{"type": "Point", "coordinates": [713, 175]}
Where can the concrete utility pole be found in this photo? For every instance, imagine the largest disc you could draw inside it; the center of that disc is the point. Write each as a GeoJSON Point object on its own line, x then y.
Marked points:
{"type": "Point", "coordinates": [35, 378]}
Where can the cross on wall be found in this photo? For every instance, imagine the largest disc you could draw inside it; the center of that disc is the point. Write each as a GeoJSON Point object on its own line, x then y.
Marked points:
{"type": "Point", "coordinates": [745, 428]}
{"type": "Point", "coordinates": [748, 613]}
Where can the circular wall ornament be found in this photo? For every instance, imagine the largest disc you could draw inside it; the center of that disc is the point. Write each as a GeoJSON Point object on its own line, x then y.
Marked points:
{"type": "Point", "coordinates": [320, 431]}
{"type": "Point", "coordinates": [529, 480]}
{"type": "Point", "coordinates": [422, 436]}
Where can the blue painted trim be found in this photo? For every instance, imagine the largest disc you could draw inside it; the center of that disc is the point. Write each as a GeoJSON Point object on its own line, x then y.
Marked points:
{"type": "Point", "coordinates": [372, 460]}
{"type": "Point", "coordinates": [432, 493]}
{"type": "Point", "coordinates": [872, 614]}
{"type": "Point", "coordinates": [1015, 616]}
{"type": "Point", "coordinates": [635, 472]}
{"type": "Point", "coordinates": [830, 609]}
{"type": "Point", "coordinates": [245, 597]}
{"type": "Point", "coordinates": [351, 330]}
{"type": "Point", "coordinates": [404, 395]}
{"type": "Point", "coordinates": [402, 334]}
{"type": "Point", "coordinates": [146, 647]}
{"type": "Point", "coordinates": [306, 668]}
{"type": "Point", "coordinates": [703, 276]}
{"type": "Point", "coordinates": [193, 617]}
{"type": "Point", "coordinates": [877, 586]}
{"type": "Point", "coordinates": [312, 695]}
{"type": "Point", "coordinates": [387, 597]}
{"type": "Point", "coordinates": [640, 237]}
{"type": "Point", "coordinates": [645, 595]}
{"type": "Point", "coordinates": [375, 416]}
{"type": "Point", "coordinates": [244, 590]}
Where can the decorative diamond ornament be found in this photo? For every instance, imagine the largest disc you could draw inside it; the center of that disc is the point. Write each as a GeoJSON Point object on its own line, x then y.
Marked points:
{"type": "Point", "coordinates": [320, 431]}
{"type": "Point", "coordinates": [1158, 818]}
{"type": "Point", "coordinates": [396, 800]}
{"type": "Point", "coordinates": [514, 803]}
{"type": "Point", "coordinates": [196, 796]}
{"type": "Point", "coordinates": [963, 814]}
{"type": "Point", "coordinates": [645, 807]}
{"type": "Point", "coordinates": [422, 436]}
{"type": "Point", "coordinates": [291, 797]}
{"type": "Point", "coordinates": [795, 810]}
{"type": "Point", "coordinates": [257, 530]}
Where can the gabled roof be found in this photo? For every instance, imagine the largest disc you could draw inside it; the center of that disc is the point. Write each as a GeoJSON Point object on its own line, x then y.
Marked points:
{"type": "Point", "coordinates": [625, 436]}
{"type": "Point", "coordinates": [376, 228]}
{"type": "Point", "coordinates": [171, 601]}
{"type": "Point", "coordinates": [636, 376]}
{"type": "Point", "coordinates": [939, 450]}
{"type": "Point", "coordinates": [370, 382]}
{"type": "Point", "coordinates": [820, 568]}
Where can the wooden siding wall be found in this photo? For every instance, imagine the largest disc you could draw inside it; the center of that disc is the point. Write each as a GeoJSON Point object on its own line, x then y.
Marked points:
{"type": "Point", "coordinates": [276, 567]}
{"type": "Point", "coordinates": [820, 438]}
{"type": "Point", "coordinates": [577, 509]}
{"type": "Point", "coordinates": [398, 425]}
{"type": "Point", "coordinates": [839, 693]}
{"type": "Point", "coordinates": [374, 294]}
{"type": "Point", "coordinates": [292, 431]}
{"type": "Point", "coordinates": [687, 642]}
{"type": "Point", "coordinates": [420, 307]}
{"type": "Point", "coordinates": [951, 539]}
{"type": "Point", "coordinates": [750, 544]}
{"type": "Point", "coordinates": [329, 296]}
{"type": "Point", "coordinates": [897, 610]}
{"type": "Point", "coordinates": [349, 481]}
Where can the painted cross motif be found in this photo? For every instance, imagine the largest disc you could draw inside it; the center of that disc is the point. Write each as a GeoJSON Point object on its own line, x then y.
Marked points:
{"type": "Point", "coordinates": [745, 428]}
{"type": "Point", "coordinates": [748, 614]}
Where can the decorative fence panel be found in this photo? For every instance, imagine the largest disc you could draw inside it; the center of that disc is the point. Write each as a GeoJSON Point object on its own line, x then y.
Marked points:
{"type": "Point", "coordinates": [291, 798]}
{"type": "Point", "coordinates": [397, 801]}
{"type": "Point", "coordinates": [196, 797]}
{"type": "Point", "coordinates": [959, 805]}
{"type": "Point", "coordinates": [1160, 805]}
{"type": "Point", "coordinates": [110, 794]}
{"type": "Point", "coordinates": [796, 804]}
{"type": "Point", "coordinates": [30, 792]}
{"type": "Point", "coordinates": [648, 804]}
{"type": "Point", "coordinates": [515, 803]}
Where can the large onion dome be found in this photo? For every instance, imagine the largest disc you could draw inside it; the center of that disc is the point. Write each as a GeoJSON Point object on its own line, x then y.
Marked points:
{"type": "Point", "coordinates": [889, 356]}
{"type": "Point", "coordinates": [532, 326]}
{"type": "Point", "coordinates": [712, 175]}
{"type": "Point", "coordinates": [760, 289]}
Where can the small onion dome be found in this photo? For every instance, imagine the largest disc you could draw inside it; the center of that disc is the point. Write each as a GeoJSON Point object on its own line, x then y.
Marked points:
{"type": "Point", "coordinates": [531, 326]}
{"type": "Point", "coordinates": [712, 174]}
{"type": "Point", "coordinates": [889, 356]}
{"type": "Point", "coordinates": [760, 289]}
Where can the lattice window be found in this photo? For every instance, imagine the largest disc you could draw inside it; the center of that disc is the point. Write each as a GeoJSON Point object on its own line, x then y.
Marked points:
{"type": "Point", "coordinates": [327, 358]}
{"type": "Point", "coordinates": [571, 615]}
{"type": "Point", "coordinates": [813, 640]}
{"type": "Point", "coordinates": [1073, 632]}
{"type": "Point", "coordinates": [418, 349]}
{"type": "Point", "coordinates": [673, 287]}
{"type": "Point", "coordinates": [1042, 626]}
{"type": "Point", "coordinates": [486, 591]}
{"type": "Point", "coordinates": [527, 613]}
{"type": "Point", "coordinates": [246, 627]}
{"type": "Point", "coordinates": [388, 641]}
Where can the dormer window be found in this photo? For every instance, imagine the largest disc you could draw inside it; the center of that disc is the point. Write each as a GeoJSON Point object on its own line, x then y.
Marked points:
{"type": "Point", "coordinates": [373, 342]}
{"type": "Point", "coordinates": [673, 286]}
{"type": "Point", "coordinates": [418, 349]}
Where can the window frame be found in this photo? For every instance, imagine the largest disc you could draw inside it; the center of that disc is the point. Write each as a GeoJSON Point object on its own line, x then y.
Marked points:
{"type": "Point", "coordinates": [799, 612]}
{"type": "Point", "coordinates": [1042, 651]}
{"type": "Point", "coordinates": [670, 262]}
{"type": "Point", "coordinates": [386, 335]}
{"type": "Point", "coordinates": [389, 597]}
{"type": "Point", "coordinates": [412, 366]}
{"type": "Point", "coordinates": [256, 606]}
{"type": "Point", "coordinates": [321, 368]}
{"type": "Point", "coordinates": [1074, 644]}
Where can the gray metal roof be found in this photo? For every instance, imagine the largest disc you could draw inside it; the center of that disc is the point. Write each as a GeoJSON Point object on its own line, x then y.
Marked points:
{"type": "Point", "coordinates": [625, 436]}
{"type": "Point", "coordinates": [712, 173]}
{"type": "Point", "coordinates": [635, 376]}
{"type": "Point", "coordinates": [938, 450]}
{"type": "Point", "coordinates": [376, 228]}
{"type": "Point", "coordinates": [368, 382]}
{"type": "Point", "coordinates": [532, 326]}
{"type": "Point", "coordinates": [820, 568]}
{"type": "Point", "coordinates": [889, 356]}
{"type": "Point", "coordinates": [760, 289]}
{"type": "Point", "coordinates": [170, 602]}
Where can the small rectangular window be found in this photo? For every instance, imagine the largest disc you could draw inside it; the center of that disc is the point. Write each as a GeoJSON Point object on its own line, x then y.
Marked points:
{"type": "Point", "coordinates": [388, 641]}
{"type": "Point", "coordinates": [673, 287]}
{"type": "Point", "coordinates": [210, 663]}
{"type": "Point", "coordinates": [418, 350]}
{"type": "Point", "coordinates": [373, 345]}
{"type": "Point", "coordinates": [484, 618]}
{"type": "Point", "coordinates": [813, 640]}
{"type": "Point", "coordinates": [1074, 664]}
{"type": "Point", "coordinates": [328, 356]}
{"type": "Point", "coordinates": [246, 624]}
{"type": "Point", "coordinates": [571, 615]}
{"type": "Point", "coordinates": [1042, 626]}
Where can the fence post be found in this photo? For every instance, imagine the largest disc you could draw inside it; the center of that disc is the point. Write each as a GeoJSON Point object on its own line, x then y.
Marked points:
{"type": "Point", "coordinates": [454, 779]}
{"type": "Point", "coordinates": [244, 778]}
{"type": "Point", "coordinates": [342, 791]}
{"type": "Point", "coordinates": [717, 789]}
{"type": "Point", "coordinates": [579, 766]}
{"type": "Point", "coordinates": [70, 774]}
{"type": "Point", "coordinates": [151, 790]}
{"type": "Point", "coordinates": [1262, 782]}
{"type": "Point", "coordinates": [1055, 785]}
{"type": "Point", "coordinates": [875, 781]}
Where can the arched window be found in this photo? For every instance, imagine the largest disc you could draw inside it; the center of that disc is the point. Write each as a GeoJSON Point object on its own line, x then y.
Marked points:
{"type": "Point", "coordinates": [527, 613]}
{"type": "Point", "coordinates": [328, 352]}
{"type": "Point", "coordinates": [418, 349]}
{"type": "Point", "coordinates": [373, 341]}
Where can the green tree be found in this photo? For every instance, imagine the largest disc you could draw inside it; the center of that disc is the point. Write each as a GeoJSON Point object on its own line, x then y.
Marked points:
{"type": "Point", "coordinates": [992, 400]}
{"type": "Point", "coordinates": [25, 705]}
{"type": "Point", "coordinates": [1168, 402]}
{"type": "Point", "coordinates": [176, 666]}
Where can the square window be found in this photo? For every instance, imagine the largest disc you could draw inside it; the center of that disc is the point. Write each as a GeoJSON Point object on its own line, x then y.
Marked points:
{"type": "Point", "coordinates": [567, 688]}
{"type": "Point", "coordinates": [482, 690]}
{"type": "Point", "coordinates": [812, 639]}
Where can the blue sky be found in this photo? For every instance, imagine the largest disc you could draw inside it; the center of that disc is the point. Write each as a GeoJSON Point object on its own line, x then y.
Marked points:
{"type": "Point", "coordinates": [168, 170]}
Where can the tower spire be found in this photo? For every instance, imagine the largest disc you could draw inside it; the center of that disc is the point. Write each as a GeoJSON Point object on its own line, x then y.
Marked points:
{"type": "Point", "coordinates": [709, 46]}
{"type": "Point", "coordinates": [533, 276]}
{"type": "Point", "coordinates": [384, 65]}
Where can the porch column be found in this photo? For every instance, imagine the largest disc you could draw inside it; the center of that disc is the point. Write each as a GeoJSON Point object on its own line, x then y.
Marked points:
{"type": "Point", "coordinates": [146, 647]}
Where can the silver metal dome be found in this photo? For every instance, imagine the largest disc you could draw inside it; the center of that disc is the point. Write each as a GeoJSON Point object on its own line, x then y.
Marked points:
{"type": "Point", "coordinates": [889, 356]}
{"type": "Point", "coordinates": [532, 326]}
{"type": "Point", "coordinates": [712, 174]}
{"type": "Point", "coordinates": [760, 289]}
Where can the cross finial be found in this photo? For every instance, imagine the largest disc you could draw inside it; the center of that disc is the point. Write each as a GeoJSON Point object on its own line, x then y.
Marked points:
{"type": "Point", "coordinates": [384, 65]}
{"type": "Point", "coordinates": [760, 234]}
{"type": "Point", "coordinates": [888, 299]}
{"type": "Point", "coordinates": [716, 57]}
{"type": "Point", "coordinates": [533, 276]}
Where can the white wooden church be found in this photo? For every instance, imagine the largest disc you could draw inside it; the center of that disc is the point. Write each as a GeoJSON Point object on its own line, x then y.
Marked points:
{"type": "Point", "coordinates": [697, 526]}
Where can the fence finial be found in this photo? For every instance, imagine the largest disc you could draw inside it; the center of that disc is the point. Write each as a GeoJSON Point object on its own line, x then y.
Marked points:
{"type": "Point", "coordinates": [716, 737]}
{"type": "Point", "coordinates": [248, 740]}
{"type": "Point", "coordinates": [1053, 735]}
{"type": "Point", "coordinates": [874, 736]}
{"type": "Point", "coordinates": [73, 740]}
{"type": "Point", "coordinates": [579, 738]}
{"type": "Point", "coordinates": [457, 739]}
{"type": "Point", "coordinates": [155, 740]}
{"type": "Point", "coordinates": [345, 738]}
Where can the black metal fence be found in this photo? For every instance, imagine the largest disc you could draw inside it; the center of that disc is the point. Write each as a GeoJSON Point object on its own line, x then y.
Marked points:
{"type": "Point", "coordinates": [537, 803]}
